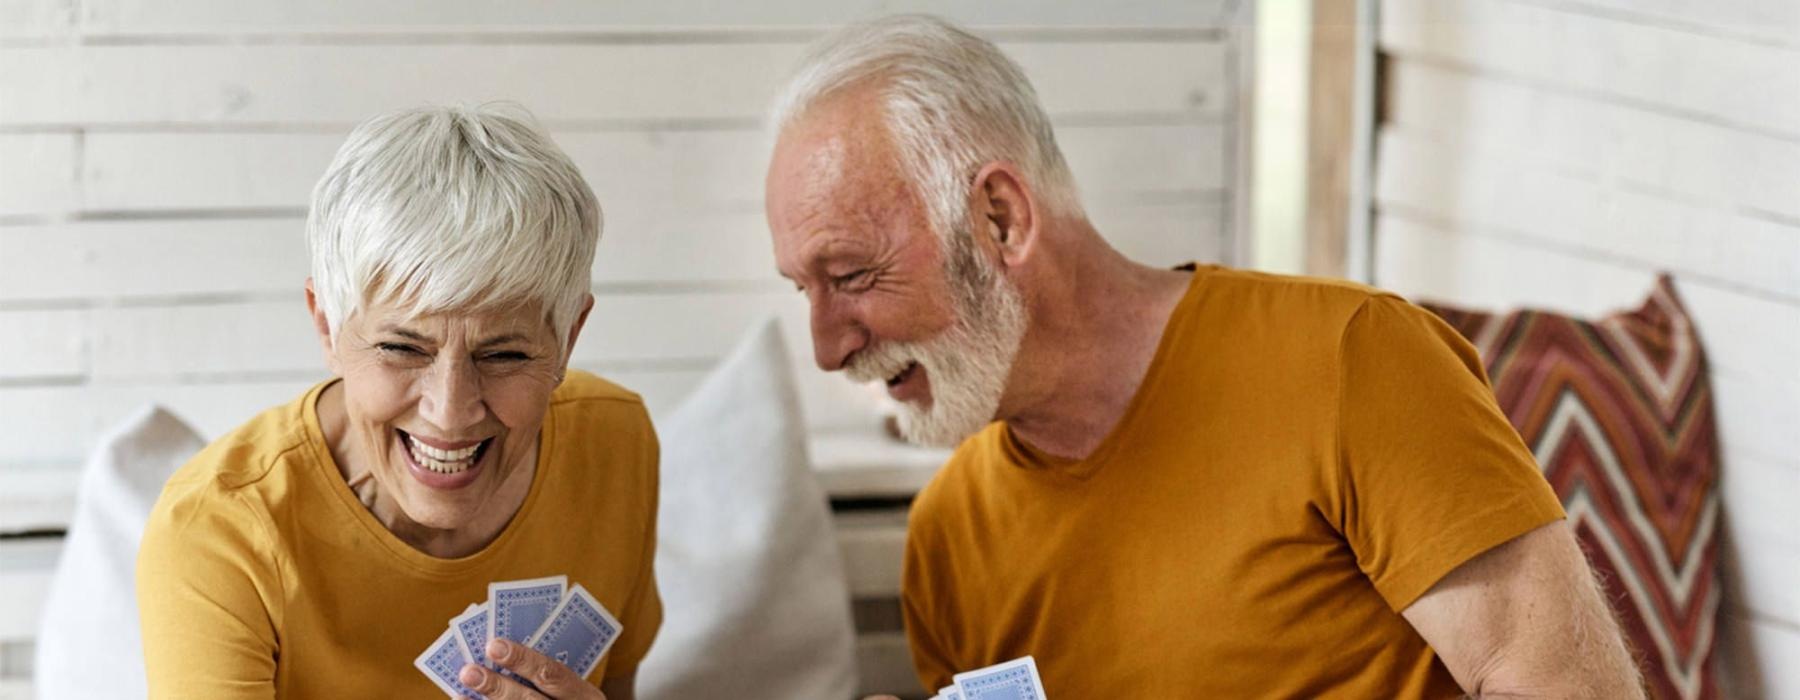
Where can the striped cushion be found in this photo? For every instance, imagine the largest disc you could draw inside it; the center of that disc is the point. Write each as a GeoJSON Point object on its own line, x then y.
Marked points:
{"type": "Point", "coordinates": [1619, 413]}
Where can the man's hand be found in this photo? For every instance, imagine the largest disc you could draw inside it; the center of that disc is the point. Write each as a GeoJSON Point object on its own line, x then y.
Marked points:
{"type": "Point", "coordinates": [554, 681]}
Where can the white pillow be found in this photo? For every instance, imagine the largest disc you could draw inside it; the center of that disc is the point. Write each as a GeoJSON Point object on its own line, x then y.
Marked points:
{"type": "Point", "coordinates": [754, 596]}
{"type": "Point", "coordinates": [88, 643]}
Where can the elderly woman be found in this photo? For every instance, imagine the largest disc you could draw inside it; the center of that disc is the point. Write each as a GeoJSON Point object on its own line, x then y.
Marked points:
{"type": "Point", "coordinates": [321, 549]}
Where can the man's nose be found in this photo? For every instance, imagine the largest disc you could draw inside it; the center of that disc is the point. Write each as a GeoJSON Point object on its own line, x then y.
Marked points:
{"type": "Point", "coordinates": [451, 397]}
{"type": "Point", "coordinates": [836, 335]}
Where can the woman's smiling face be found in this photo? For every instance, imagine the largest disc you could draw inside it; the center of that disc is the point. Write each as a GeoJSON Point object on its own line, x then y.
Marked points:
{"type": "Point", "coordinates": [442, 409]}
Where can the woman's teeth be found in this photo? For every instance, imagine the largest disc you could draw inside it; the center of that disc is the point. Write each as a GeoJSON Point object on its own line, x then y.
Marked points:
{"type": "Point", "coordinates": [442, 461]}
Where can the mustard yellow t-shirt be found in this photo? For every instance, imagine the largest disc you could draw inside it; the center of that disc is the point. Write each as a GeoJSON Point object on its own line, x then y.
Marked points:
{"type": "Point", "coordinates": [1303, 460]}
{"type": "Point", "coordinates": [261, 575]}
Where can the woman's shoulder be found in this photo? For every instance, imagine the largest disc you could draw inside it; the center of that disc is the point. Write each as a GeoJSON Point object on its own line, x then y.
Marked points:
{"type": "Point", "coordinates": [587, 387]}
{"type": "Point", "coordinates": [245, 456]}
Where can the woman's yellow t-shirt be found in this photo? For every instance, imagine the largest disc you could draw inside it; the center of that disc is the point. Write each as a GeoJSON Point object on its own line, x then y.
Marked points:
{"type": "Point", "coordinates": [1303, 460]}
{"type": "Point", "coordinates": [261, 574]}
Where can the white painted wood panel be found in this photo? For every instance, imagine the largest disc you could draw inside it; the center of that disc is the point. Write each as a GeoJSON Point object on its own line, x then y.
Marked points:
{"type": "Point", "coordinates": [1497, 187]}
{"type": "Point", "coordinates": [39, 172]}
{"type": "Point", "coordinates": [634, 82]}
{"type": "Point", "coordinates": [36, 19]}
{"type": "Point", "coordinates": [1693, 160]}
{"type": "Point", "coordinates": [1503, 271]}
{"type": "Point", "coordinates": [1726, 80]}
{"type": "Point", "coordinates": [169, 261]}
{"type": "Point", "coordinates": [637, 174]}
{"type": "Point", "coordinates": [227, 16]}
{"type": "Point", "coordinates": [44, 344]}
{"type": "Point", "coordinates": [1776, 645]}
{"type": "Point", "coordinates": [1772, 21]}
{"type": "Point", "coordinates": [1755, 412]}
{"type": "Point", "coordinates": [23, 582]}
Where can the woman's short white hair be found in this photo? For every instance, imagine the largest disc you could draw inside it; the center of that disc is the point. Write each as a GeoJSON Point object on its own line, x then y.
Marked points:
{"type": "Point", "coordinates": [953, 103]}
{"type": "Point", "coordinates": [453, 209]}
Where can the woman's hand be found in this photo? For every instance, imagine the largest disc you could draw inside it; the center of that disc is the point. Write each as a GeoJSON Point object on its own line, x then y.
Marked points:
{"type": "Point", "coordinates": [554, 681]}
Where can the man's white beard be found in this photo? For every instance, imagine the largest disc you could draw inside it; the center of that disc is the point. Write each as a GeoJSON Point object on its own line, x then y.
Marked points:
{"type": "Point", "coordinates": [967, 364]}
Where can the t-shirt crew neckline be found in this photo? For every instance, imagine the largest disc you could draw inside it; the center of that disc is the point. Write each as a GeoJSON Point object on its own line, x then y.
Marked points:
{"type": "Point", "coordinates": [326, 470]}
{"type": "Point", "coordinates": [1024, 456]}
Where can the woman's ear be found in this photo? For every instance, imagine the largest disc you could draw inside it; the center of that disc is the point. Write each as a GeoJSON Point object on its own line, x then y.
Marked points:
{"type": "Point", "coordinates": [587, 305]}
{"type": "Point", "coordinates": [321, 326]}
{"type": "Point", "coordinates": [1005, 213]}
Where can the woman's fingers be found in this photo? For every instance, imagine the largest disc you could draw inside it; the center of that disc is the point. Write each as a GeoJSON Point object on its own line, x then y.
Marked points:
{"type": "Point", "coordinates": [552, 679]}
{"type": "Point", "coordinates": [494, 685]}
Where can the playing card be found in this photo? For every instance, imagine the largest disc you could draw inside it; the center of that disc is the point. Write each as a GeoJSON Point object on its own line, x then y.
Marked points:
{"type": "Point", "coordinates": [948, 692]}
{"type": "Point", "coordinates": [578, 633]}
{"type": "Point", "coordinates": [441, 662]}
{"type": "Point", "coordinates": [471, 629]}
{"type": "Point", "coordinates": [1014, 680]}
{"type": "Point", "coordinates": [518, 608]}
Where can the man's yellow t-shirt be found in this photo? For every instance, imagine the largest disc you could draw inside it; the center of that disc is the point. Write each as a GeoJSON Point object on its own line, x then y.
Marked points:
{"type": "Point", "coordinates": [1303, 460]}
{"type": "Point", "coordinates": [261, 574]}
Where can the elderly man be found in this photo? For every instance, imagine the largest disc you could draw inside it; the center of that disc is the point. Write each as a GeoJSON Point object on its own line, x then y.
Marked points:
{"type": "Point", "coordinates": [1198, 482]}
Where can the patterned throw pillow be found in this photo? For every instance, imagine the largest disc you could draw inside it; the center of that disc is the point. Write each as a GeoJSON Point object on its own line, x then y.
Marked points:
{"type": "Point", "coordinates": [1619, 413]}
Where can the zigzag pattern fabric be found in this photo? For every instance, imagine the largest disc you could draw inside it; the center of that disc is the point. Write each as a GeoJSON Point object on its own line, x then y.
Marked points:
{"type": "Point", "coordinates": [1619, 414]}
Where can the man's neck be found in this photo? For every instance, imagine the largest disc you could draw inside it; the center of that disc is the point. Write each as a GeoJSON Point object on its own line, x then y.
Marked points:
{"type": "Point", "coordinates": [1096, 325]}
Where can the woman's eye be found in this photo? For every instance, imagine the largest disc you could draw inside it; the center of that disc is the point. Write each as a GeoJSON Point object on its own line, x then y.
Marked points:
{"type": "Point", "coordinates": [398, 349]}
{"type": "Point", "coordinates": [506, 357]}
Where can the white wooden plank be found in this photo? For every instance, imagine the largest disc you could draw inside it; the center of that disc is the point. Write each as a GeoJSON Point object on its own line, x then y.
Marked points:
{"type": "Point", "coordinates": [1759, 494]}
{"type": "Point", "coordinates": [247, 338]}
{"type": "Point", "coordinates": [39, 344]}
{"type": "Point", "coordinates": [1726, 79]}
{"type": "Point", "coordinates": [1776, 21]}
{"type": "Point", "coordinates": [341, 84]}
{"type": "Point", "coordinates": [135, 259]}
{"type": "Point", "coordinates": [37, 499]}
{"type": "Point", "coordinates": [1757, 410]}
{"type": "Point", "coordinates": [37, 19]}
{"type": "Point", "coordinates": [638, 175]}
{"type": "Point", "coordinates": [129, 259]}
{"type": "Point", "coordinates": [662, 389]}
{"type": "Point", "coordinates": [224, 16]}
{"type": "Point", "coordinates": [1697, 159]}
{"type": "Point", "coordinates": [1744, 337]}
{"type": "Point", "coordinates": [1530, 198]}
{"type": "Point", "coordinates": [1776, 645]}
{"type": "Point", "coordinates": [39, 173]}
{"type": "Point", "coordinates": [24, 579]}
{"type": "Point", "coordinates": [1768, 577]}
{"type": "Point", "coordinates": [56, 426]}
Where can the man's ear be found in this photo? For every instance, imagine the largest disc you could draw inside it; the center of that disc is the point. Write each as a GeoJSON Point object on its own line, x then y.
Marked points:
{"type": "Point", "coordinates": [1005, 213]}
{"type": "Point", "coordinates": [321, 326]}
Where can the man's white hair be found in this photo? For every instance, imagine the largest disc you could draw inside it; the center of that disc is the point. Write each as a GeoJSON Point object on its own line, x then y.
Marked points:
{"type": "Point", "coordinates": [953, 103]}
{"type": "Point", "coordinates": [453, 209]}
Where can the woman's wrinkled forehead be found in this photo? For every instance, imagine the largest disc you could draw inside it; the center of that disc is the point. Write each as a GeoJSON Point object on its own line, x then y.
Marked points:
{"type": "Point", "coordinates": [520, 321]}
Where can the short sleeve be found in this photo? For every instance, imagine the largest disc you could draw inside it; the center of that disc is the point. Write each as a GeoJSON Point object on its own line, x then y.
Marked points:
{"type": "Point", "coordinates": [643, 614]}
{"type": "Point", "coordinates": [1431, 473]}
{"type": "Point", "coordinates": [208, 593]}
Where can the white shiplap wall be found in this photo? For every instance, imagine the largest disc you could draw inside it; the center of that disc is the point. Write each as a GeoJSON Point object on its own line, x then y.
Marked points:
{"type": "Point", "coordinates": [156, 158]}
{"type": "Point", "coordinates": [1556, 153]}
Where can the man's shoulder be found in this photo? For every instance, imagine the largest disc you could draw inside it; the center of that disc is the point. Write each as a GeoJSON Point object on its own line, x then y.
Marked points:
{"type": "Point", "coordinates": [1294, 296]}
